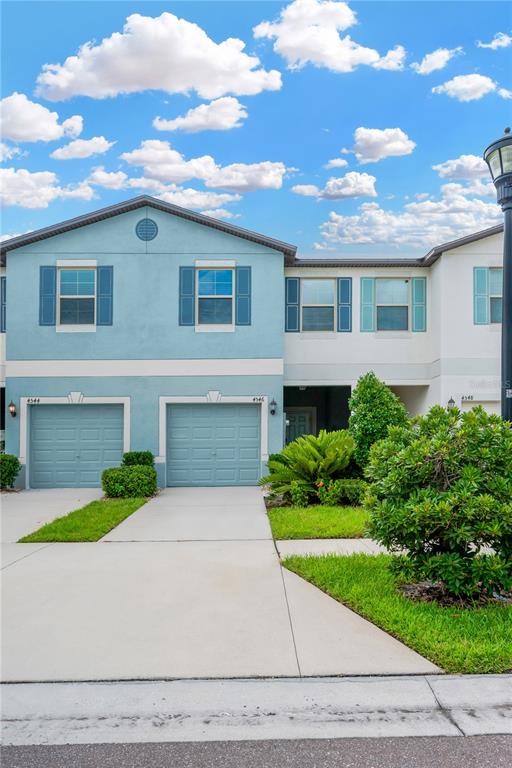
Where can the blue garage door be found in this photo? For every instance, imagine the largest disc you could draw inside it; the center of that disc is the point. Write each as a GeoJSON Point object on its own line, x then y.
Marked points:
{"type": "Point", "coordinates": [213, 444]}
{"type": "Point", "coordinates": [71, 445]}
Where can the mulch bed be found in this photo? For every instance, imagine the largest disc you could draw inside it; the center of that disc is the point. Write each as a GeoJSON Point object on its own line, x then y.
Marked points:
{"type": "Point", "coordinates": [435, 591]}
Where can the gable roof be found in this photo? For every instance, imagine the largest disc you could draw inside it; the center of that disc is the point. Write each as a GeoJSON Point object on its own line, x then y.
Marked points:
{"type": "Point", "coordinates": [423, 261]}
{"type": "Point", "coordinates": [140, 202]}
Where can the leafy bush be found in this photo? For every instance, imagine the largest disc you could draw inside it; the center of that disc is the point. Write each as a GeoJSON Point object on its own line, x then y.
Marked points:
{"type": "Point", "coordinates": [307, 460]}
{"type": "Point", "coordinates": [299, 494]}
{"type": "Point", "coordinates": [373, 408]}
{"type": "Point", "coordinates": [9, 468]}
{"type": "Point", "coordinates": [138, 458]}
{"type": "Point", "coordinates": [342, 491]}
{"type": "Point", "coordinates": [441, 490]}
{"type": "Point", "coordinates": [129, 482]}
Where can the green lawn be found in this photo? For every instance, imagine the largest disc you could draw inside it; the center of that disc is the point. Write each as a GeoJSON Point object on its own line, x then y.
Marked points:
{"type": "Point", "coordinates": [88, 523]}
{"type": "Point", "coordinates": [317, 522]}
{"type": "Point", "coordinates": [458, 640]}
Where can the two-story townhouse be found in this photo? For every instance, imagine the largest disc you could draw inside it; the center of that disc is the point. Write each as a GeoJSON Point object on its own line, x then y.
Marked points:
{"type": "Point", "coordinates": [145, 326]}
{"type": "Point", "coordinates": [429, 327]}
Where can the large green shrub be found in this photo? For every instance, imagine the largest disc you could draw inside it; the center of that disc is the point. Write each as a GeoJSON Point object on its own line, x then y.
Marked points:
{"type": "Point", "coordinates": [9, 468]}
{"type": "Point", "coordinates": [132, 458]}
{"type": "Point", "coordinates": [441, 490]}
{"type": "Point", "coordinates": [307, 460]}
{"type": "Point", "coordinates": [129, 482]}
{"type": "Point", "coordinates": [373, 408]}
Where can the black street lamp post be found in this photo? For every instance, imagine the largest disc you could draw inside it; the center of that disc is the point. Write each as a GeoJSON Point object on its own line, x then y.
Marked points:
{"type": "Point", "coordinates": [498, 157]}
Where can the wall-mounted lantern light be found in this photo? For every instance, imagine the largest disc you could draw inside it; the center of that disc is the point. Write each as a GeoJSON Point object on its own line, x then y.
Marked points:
{"type": "Point", "coordinates": [451, 403]}
{"type": "Point", "coordinates": [273, 407]}
{"type": "Point", "coordinates": [12, 409]}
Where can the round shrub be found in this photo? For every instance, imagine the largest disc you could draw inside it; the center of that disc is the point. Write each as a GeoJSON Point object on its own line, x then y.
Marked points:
{"type": "Point", "coordinates": [373, 409]}
{"type": "Point", "coordinates": [349, 490]}
{"type": "Point", "coordinates": [129, 482]}
{"type": "Point", "coordinates": [441, 491]}
{"type": "Point", "coordinates": [132, 458]}
{"type": "Point", "coordinates": [9, 468]}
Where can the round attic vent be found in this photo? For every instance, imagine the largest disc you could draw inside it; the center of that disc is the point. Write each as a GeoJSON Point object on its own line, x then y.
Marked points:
{"type": "Point", "coordinates": [146, 229]}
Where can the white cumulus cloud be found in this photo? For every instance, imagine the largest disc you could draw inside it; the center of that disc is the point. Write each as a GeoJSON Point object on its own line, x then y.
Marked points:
{"type": "Point", "coordinates": [164, 53]}
{"type": "Point", "coordinates": [165, 164]}
{"type": "Point", "coordinates": [221, 213]}
{"type": "Point", "coordinates": [219, 115]}
{"type": "Point", "coordinates": [7, 152]}
{"type": "Point", "coordinates": [500, 40]}
{"type": "Point", "coordinates": [467, 167]}
{"type": "Point", "coordinates": [37, 190]}
{"type": "Point", "coordinates": [25, 120]}
{"type": "Point", "coordinates": [438, 59]}
{"type": "Point", "coordinates": [308, 32]}
{"type": "Point", "coordinates": [352, 184]}
{"type": "Point", "coordinates": [374, 144]}
{"type": "Point", "coordinates": [470, 87]}
{"type": "Point", "coordinates": [108, 179]}
{"type": "Point", "coordinates": [336, 162]}
{"type": "Point", "coordinates": [418, 224]}
{"type": "Point", "coordinates": [81, 148]}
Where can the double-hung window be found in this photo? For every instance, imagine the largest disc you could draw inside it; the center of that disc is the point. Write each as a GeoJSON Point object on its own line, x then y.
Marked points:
{"type": "Point", "coordinates": [392, 304]}
{"type": "Point", "coordinates": [495, 294]}
{"type": "Point", "coordinates": [214, 297]}
{"type": "Point", "coordinates": [76, 296]}
{"type": "Point", "coordinates": [318, 304]}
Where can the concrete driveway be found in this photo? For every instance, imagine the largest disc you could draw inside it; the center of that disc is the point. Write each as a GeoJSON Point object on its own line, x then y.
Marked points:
{"type": "Point", "coordinates": [189, 586]}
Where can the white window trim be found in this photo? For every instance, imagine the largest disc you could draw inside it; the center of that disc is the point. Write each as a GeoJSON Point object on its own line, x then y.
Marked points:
{"type": "Point", "coordinates": [213, 327]}
{"type": "Point", "coordinates": [212, 397]}
{"type": "Point", "coordinates": [73, 398]}
{"type": "Point", "coordinates": [82, 328]}
{"type": "Point", "coordinates": [333, 305]}
{"type": "Point", "coordinates": [495, 296]}
{"type": "Point", "coordinates": [377, 305]}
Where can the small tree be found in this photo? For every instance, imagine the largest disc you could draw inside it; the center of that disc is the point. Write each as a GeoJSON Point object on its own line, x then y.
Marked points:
{"type": "Point", "coordinates": [374, 408]}
{"type": "Point", "coordinates": [441, 497]}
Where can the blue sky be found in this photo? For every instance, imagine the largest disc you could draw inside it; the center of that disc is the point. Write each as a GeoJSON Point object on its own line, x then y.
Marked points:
{"type": "Point", "coordinates": [255, 152]}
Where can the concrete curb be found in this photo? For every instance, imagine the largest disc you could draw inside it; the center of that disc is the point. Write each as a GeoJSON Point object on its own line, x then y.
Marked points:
{"type": "Point", "coordinates": [219, 710]}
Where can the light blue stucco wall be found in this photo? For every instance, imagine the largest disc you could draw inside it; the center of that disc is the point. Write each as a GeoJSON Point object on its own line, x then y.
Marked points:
{"type": "Point", "coordinates": [144, 393]}
{"type": "Point", "coordinates": [145, 293]}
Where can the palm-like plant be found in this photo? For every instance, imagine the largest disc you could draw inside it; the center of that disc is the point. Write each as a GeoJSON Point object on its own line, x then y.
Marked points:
{"type": "Point", "coordinates": [308, 460]}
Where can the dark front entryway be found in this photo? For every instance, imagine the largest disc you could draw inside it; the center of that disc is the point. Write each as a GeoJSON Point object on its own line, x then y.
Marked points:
{"type": "Point", "coordinates": [310, 409]}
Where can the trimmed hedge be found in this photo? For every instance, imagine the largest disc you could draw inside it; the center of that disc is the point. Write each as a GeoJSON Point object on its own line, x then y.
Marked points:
{"type": "Point", "coordinates": [9, 468]}
{"type": "Point", "coordinates": [129, 482]}
{"type": "Point", "coordinates": [138, 458]}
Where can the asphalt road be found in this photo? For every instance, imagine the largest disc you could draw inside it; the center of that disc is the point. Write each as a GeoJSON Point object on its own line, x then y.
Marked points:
{"type": "Point", "coordinates": [416, 752]}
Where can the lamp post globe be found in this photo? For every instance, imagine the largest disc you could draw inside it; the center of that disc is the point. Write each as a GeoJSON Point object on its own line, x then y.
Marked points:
{"type": "Point", "coordinates": [498, 157]}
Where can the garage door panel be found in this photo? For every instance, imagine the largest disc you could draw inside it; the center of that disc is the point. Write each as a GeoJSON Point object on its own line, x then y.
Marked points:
{"type": "Point", "coordinates": [71, 445]}
{"type": "Point", "coordinates": [213, 444]}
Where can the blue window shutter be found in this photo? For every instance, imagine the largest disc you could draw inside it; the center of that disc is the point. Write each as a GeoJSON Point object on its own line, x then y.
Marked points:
{"type": "Point", "coordinates": [105, 291]}
{"type": "Point", "coordinates": [3, 285]}
{"type": "Point", "coordinates": [243, 296]}
{"type": "Point", "coordinates": [47, 295]}
{"type": "Point", "coordinates": [292, 318]}
{"type": "Point", "coordinates": [187, 295]}
{"type": "Point", "coordinates": [367, 300]}
{"type": "Point", "coordinates": [480, 296]}
{"type": "Point", "coordinates": [345, 304]}
{"type": "Point", "coordinates": [419, 304]}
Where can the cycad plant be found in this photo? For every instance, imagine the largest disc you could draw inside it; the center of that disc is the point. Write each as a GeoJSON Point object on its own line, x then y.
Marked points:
{"type": "Point", "coordinates": [309, 460]}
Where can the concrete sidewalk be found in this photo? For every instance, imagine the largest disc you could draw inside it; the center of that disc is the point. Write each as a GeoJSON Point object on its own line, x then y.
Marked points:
{"type": "Point", "coordinates": [208, 710]}
{"type": "Point", "coordinates": [287, 547]}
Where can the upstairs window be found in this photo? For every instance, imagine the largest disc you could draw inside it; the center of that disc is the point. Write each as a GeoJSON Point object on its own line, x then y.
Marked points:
{"type": "Point", "coordinates": [495, 294]}
{"type": "Point", "coordinates": [77, 297]}
{"type": "Point", "coordinates": [392, 304]}
{"type": "Point", "coordinates": [318, 302]}
{"type": "Point", "coordinates": [215, 296]}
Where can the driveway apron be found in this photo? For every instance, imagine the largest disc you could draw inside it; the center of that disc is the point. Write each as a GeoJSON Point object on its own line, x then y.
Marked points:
{"type": "Point", "coordinates": [189, 586]}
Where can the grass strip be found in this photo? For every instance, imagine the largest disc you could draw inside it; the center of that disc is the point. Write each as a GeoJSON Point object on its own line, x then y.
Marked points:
{"type": "Point", "coordinates": [471, 640]}
{"type": "Point", "coordinates": [88, 523]}
{"type": "Point", "coordinates": [317, 522]}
